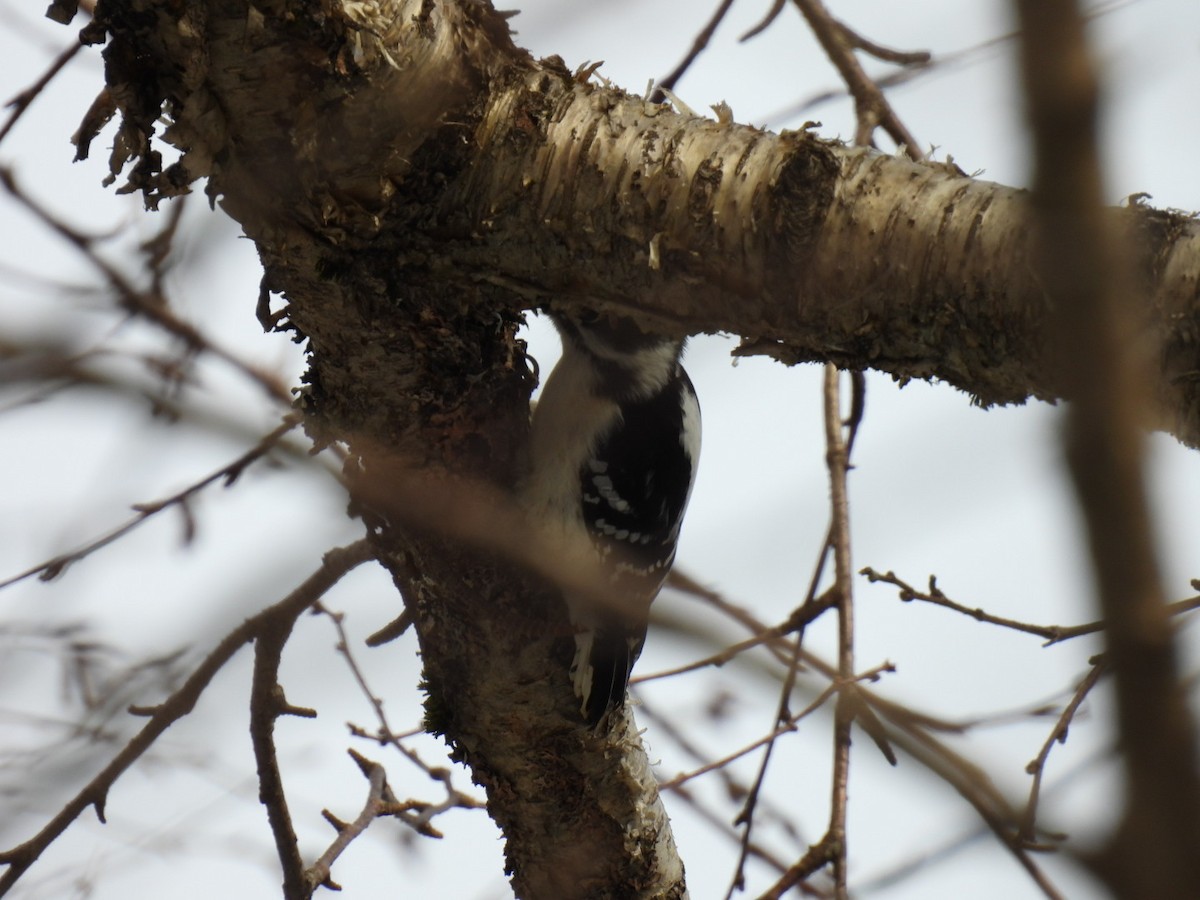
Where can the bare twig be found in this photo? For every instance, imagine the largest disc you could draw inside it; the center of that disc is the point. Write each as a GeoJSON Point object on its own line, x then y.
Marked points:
{"type": "Point", "coordinates": [832, 848]}
{"type": "Point", "coordinates": [721, 825]}
{"type": "Point", "coordinates": [267, 703]}
{"type": "Point", "coordinates": [733, 787]}
{"type": "Point", "coordinates": [335, 565]}
{"type": "Point", "coordinates": [715, 659]}
{"type": "Point", "coordinates": [921, 863]}
{"type": "Point", "coordinates": [23, 100]}
{"type": "Point", "coordinates": [391, 630]}
{"type": "Point", "coordinates": [51, 367]}
{"type": "Point", "coordinates": [886, 54]}
{"type": "Point", "coordinates": [800, 618]}
{"type": "Point", "coordinates": [1052, 633]}
{"type": "Point", "coordinates": [934, 595]}
{"type": "Point", "coordinates": [157, 250]}
{"type": "Point", "coordinates": [414, 813]}
{"type": "Point", "coordinates": [1058, 735]}
{"type": "Point", "coordinates": [837, 457]}
{"type": "Point", "coordinates": [939, 64]}
{"type": "Point", "coordinates": [377, 792]}
{"type": "Point", "coordinates": [790, 725]}
{"type": "Point", "coordinates": [765, 22]}
{"type": "Point", "coordinates": [698, 47]}
{"type": "Point", "coordinates": [871, 106]}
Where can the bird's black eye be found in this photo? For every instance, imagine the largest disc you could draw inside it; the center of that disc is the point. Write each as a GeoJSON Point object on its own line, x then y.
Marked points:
{"type": "Point", "coordinates": [587, 317]}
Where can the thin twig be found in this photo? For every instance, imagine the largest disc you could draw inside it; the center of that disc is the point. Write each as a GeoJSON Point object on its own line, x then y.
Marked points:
{"type": "Point", "coordinates": [886, 54]}
{"type": "Point", "coordinates": [1053, 634]}
{"type": "Point", "coordinates": [790, 725]}
{"type": "Point", "coordinates": [157, 249]}
{"type": "Point", "coordinates": [837, 543]}
{"type": "Point", "coordinates": [871, 106]}
{"type": "Point", "coordinates": [319, 873]}
{"type": "Point", "coordinates": [732, 786]}
{"type": "Point", "coordinates": [22, 101]}
{"type": "Point", "coordinates": [838, 462]}
{"type": "Point", "coordinates": [52, 367]}
{"type": "Point", "coordinates": [424, 811]}
{"type": "Point", "coordinates": [800, 618]}
{"type": "Point", "coordinates": [918, 69]}
{"type": "Point", "coordinates": [716, 659]}
{"type": "Point", "coordinates": [832, 848]}
{"type": "Point", "coordinates": [1058, 735]}
{"type": "Point", "coordinates": [385, 735]}
{"type": "Point", "coordinates": [765, 22]}
{"type": "Point", "coordinates": [698, 46]}
{"type": "Point", "coordinates": [921, 864]}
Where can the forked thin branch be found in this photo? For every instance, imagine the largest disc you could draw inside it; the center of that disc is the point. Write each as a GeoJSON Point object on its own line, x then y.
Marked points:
{"type": "Point", "coordinates": [319, 873]}
{"type": "Point", "coordinates": [871, 106]}
{"type": "Point", "coordinates": [414, 813]}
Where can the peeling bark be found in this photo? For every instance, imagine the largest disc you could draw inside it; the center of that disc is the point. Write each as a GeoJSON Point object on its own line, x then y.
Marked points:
{"type": "Point", "coordinates": [810, 250]}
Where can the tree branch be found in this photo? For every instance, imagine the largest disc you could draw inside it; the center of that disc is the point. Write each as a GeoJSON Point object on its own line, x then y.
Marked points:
{"type": "Point", "coordinates": [150, 303]}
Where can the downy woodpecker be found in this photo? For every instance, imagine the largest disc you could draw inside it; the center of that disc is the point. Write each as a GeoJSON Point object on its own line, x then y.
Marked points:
{"type": "Point", "coordinates": [616, 441]}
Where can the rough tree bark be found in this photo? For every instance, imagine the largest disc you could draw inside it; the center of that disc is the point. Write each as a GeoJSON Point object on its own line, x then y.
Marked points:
{"type": "Point", "coordinates": [413, 181]}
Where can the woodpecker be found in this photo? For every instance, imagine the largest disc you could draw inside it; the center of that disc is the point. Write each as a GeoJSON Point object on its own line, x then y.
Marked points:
{"type": "Point", "coordinates": [615, 445]}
